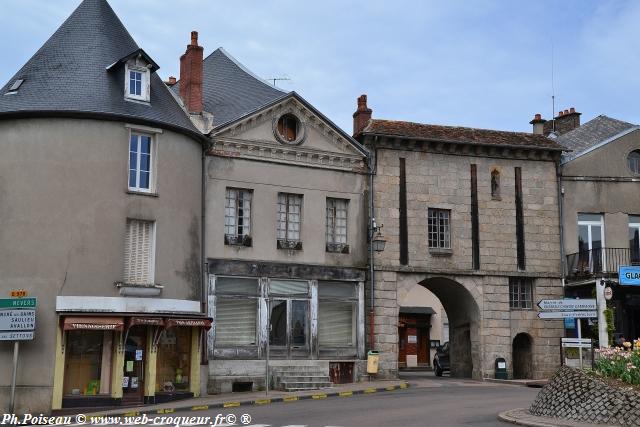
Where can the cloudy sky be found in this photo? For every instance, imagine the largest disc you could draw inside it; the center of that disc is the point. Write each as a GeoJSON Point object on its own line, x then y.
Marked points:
{"type": "Point", "coordinates": [469, 63]}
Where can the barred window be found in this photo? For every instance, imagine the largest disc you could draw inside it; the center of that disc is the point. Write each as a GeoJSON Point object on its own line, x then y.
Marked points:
{"type": "Point", "coordinates": [337, 221]}
{"type": "Point", "coordinates": [439, 228]}
{"type": "Point", "coordinates": [237, 215]}
{"type": "Point", "coordinates": [520, 293]}
{"type": "Point", "coordinates": [139, 252]}
{"type": "Point", "coordinates": [289, 216]}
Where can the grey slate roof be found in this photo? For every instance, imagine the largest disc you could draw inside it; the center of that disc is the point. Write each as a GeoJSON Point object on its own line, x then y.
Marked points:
{"type": "Point", "coordinates": [591, 134]}
{"type": "Point", "coordinates": [230, 90]}
{"type": "Point", "coordinates": [68, 75]}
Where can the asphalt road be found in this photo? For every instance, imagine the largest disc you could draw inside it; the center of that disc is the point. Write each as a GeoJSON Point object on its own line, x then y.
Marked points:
{"type": "Point", "coordinates": [429, 402]}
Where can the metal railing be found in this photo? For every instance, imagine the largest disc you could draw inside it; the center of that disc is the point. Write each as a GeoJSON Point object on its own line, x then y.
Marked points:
{"type": "Point", "coordinates": [585, 264]}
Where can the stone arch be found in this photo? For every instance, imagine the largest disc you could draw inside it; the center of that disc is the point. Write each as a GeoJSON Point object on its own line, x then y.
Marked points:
{"type": "Point", "coordinates": [521, 356]}
{"type": "Point", "coordinates": [461, 305]}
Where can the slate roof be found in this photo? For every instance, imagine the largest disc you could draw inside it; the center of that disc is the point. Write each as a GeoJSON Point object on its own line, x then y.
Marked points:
{"type": "Point", "coordinates": [458, 134]}
{"type": "Point", "coordinates": [230, 90]}
{"type": "Point", "coordinates": [68, 75]}
{"type": "Point", "coordinates": [591, 134]}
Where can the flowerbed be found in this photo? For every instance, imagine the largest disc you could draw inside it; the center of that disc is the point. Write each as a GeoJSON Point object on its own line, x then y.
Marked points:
{"type": "Point", "coordinates": [621, 363]}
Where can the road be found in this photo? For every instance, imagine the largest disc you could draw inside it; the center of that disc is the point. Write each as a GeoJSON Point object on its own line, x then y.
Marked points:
{"type": "Point", "coordinates": [429, 402]}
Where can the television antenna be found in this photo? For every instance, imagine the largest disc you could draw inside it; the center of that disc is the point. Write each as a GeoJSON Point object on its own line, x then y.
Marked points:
{"type": "Point", "coordinates": [278, 79]}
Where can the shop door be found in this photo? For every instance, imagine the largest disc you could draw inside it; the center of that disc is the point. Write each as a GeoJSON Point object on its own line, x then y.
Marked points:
{"type": "Point", "coordinates": [289, 328]}
{"type": "Point", "coordinates": [133, 377]}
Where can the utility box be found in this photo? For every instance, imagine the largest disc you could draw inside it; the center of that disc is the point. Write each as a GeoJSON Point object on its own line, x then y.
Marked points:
{"type": "Point", "coordinates": [373, 357]}
{"type": "Point", "coordinates": [501, 369]}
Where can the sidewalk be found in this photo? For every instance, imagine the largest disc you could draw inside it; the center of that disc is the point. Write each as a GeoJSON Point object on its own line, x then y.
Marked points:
{"type": "Point", "coordinates": [231, 400]}
{"type": "Point", "coordinates": [522, 417]}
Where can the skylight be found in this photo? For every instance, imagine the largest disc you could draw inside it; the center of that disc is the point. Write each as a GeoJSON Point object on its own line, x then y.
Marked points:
{"type": "Point", "coordinates": [14, 87]}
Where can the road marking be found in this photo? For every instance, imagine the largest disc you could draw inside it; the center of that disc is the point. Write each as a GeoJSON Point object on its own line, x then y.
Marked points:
{"type": "Point", "coordinates": [231, 404]}
{"type": "Point", "coordinates": [200, 408]}
{"type": "Point", "coordinates": [166, 411]}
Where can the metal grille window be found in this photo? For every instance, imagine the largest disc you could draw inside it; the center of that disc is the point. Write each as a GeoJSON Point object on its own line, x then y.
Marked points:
{"type": "Point", "coordinates": [439, 225]}
{"type": "Point", "coordinates": [337, 212]}
{"type": "Point", "coordinates": [139, 252]}
{"type": "Point", "coordinates": [289, 216]}
{"type": "Point", "coordinates": [237, 215]}
{"type": "Point", "coordinates": [520, 293]}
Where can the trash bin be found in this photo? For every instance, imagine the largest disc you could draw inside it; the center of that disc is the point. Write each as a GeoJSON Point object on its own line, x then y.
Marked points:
{"type": "Point", "coordinates": [501, 369]}
{"type": "Point", "coordinates": [372, 362]}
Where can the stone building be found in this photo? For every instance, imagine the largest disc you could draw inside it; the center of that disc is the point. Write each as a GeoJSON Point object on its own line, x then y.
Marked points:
{"type": "Point", "coordinates": [471, 215]}
{"type": "Point", "coordinates": [100, 213]}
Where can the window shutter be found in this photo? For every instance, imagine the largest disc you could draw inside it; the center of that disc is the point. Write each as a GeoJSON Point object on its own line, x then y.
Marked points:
{"type": "Point", "coordinates": [138, 253]}
{"type": "Point", "coordinates": [335, 324]}
{"type": "Point", "coordinates": [236, 322]}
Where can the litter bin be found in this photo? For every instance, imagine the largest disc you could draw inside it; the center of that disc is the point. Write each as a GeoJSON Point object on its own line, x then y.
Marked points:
{"type": "Point", "coordinates": [372, 362]}
{"type": "Point", "coordinates": [501, 369]}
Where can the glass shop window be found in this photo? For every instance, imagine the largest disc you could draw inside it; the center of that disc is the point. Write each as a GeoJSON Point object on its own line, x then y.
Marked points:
{"type": "Point", "coordinates": [87, 369]}
{"type": "Point", "coordinates": [174, 360]}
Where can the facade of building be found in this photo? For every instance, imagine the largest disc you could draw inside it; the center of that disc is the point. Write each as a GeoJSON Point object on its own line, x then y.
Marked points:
{"type": "Point", "coordinates": [286, 240]}
{"type": "Point", "coordinates": [471, 215]}
{"type": "Point", "coordinates": [601, 215]}
{"type": "Point", "coordinates": [99, 220]}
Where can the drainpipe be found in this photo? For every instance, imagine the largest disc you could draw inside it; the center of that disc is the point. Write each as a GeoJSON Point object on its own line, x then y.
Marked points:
{"type": "Point", "coordinates": [563, 260]}
{"type": "Point", "coordinates": [371, 167]}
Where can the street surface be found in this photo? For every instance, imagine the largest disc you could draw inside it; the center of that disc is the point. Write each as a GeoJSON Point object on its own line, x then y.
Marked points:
{"type": "Point", "coordinates": [429, 402]}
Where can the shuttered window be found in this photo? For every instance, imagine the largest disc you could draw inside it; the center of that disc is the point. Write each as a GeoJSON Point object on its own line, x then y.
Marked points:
{"type": "Point", "coordinates": [139, 252]}
{"type": "Point", "coordinates": [337, 210]}
{"type": "Point", "coordinates": [236, 321]}
{"type": "Point", "coordinates": [237, 217]}
{"type": "Point", "coordinates": [289, 216]}
{"type": "Point", "coordinates": [335, 324]}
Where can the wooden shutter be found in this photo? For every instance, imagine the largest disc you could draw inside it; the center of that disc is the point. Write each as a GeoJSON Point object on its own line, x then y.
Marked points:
{"type": "Point", "coordinates": [138, 252]}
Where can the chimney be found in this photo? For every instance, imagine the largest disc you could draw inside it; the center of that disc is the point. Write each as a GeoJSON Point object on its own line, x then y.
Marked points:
{"type": "Point", "coordinates": [362, 115]}
{"type": "Point", "coordinates": [566, 121]}
{"type": "Point", "coordinates": [191, 69]}
{"type": "Point", "coordinates": [172, 81]}
{"type": "Point", "coordinates": [538, 124]}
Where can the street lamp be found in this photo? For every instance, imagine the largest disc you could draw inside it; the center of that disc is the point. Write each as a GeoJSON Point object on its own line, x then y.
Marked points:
{"type": "Point", "coordinates": [377, 240]}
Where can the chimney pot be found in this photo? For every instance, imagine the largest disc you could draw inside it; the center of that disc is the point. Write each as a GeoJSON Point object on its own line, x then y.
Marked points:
{"type": "Point", "coordinates": [362, 115]}
{"type": "Point", "coordinates": [566, 111]}
{"type": "Point", "coordinates": [572, 110]}
{"type": "Point", "coordinates": [194, 38]}
{"type": "Point", "coordinates": [172, 80]}
{"type": "Point", "coordinates": [538, 116]}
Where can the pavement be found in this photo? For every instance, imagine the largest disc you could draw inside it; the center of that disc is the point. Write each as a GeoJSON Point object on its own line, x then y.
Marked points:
{"type": "Point", "coordinates": [521, 416]}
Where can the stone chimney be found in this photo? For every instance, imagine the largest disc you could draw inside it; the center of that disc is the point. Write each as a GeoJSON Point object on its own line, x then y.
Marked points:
{"type": "Point", "coordinates": [538, 124]}
{"type": "Point", "coordinates": [564, 122]}
{"type": "Point", "coordinates": [191, 69]}
{"type": "Point", "coordinates": [362, 115]}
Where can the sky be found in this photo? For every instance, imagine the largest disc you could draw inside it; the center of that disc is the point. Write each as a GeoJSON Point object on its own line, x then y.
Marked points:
{"type": "Point", "coordinates": [475, 63]}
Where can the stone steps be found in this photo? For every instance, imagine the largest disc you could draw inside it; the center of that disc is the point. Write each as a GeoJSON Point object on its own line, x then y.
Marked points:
{"type": "Point", "coordinates": [300, 378]}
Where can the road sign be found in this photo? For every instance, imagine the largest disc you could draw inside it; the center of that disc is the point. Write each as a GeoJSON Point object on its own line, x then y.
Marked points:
{"type": "Point", "coordinates": [17, 320]}
{"type": "Point", "coordinates": [608, 293]}
{"type": "Point", "coordinates": [567, 304]}
{"type": "Point", "coordinates": [567, 314]}
{"type": "Point", "coordinates": [17, 303]}
{"type": "Point", "coordinates": [576, 342]}
{"type": "Point", "coordinates": [16, 336]}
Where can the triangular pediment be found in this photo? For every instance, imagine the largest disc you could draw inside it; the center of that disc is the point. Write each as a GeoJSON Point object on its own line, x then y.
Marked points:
{"type": "Point", "coordinates": [315, 140]}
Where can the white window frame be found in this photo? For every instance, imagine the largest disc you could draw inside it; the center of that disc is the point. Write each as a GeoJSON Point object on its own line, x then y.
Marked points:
{"type": "Point", "coordinates": [152, 161]}
{"type": "Point", "coordinates": [145, 89]}
{"type": "Point", "coordinates": [332, 209]}
{"type": "Point", "coordinates": [152, 252]}
{"type": "Point", "coordinates": [290, 199]}
{"type": "Point", "coordinates": [590, 224]}
{"type": "Point", "coordinates": [634, 226]}
{"type": "Point", "coordinates": [240, 194]}
{"type": "Point", "coordinates": [434, 214]}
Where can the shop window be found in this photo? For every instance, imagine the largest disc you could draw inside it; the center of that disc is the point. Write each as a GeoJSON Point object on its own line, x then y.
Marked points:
{"type": "Point", "coordinates": [88, 363]}
{"type": "Point", "coordinates": [337, 308]}
{"type": "Point", "coordinates": [174, 360]}
{"type": "Point", "coordinates": [236, 311]}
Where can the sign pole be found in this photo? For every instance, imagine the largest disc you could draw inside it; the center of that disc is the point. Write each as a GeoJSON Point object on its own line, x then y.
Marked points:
{"type": "Point", "coordinates": [603, 336]}
{"type": "Point", "coordinates": [13, 376]}
{"type": "Point", "coordinates": [579, 326]}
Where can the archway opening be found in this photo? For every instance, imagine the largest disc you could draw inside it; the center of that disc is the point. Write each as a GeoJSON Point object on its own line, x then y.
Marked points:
{"type": "Point", "coordinates": [521, 357]}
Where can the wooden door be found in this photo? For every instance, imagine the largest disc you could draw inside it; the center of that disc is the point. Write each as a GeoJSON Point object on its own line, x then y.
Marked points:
{"type": "Point", "coordinates": [423, 345]}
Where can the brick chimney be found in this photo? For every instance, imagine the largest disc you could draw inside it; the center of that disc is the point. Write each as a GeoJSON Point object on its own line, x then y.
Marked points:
{"type": "Point", "coordinates": [564, 122]}
{"type": "Point", "coordinates": [172, 80]}
{"type": "Point", "coordinates": [538, 124]}
{"type": "Point", "coordinates": [191, 68]}
{"type": "Point", "coordinates": [362, 115]}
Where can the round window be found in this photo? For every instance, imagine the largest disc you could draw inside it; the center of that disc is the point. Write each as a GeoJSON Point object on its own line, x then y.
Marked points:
{"type": "Point", "coordinates": [289, 129]}
{"type": "Point", "coordinates": [633, 161]}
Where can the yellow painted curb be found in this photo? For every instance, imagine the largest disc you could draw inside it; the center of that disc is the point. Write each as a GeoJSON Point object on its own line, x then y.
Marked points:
{"type": "Point", "coordinates": [262, 401]}
{"type": "Point", "coordinates": [369, 390]}
{"type": "Point", "coordinates": [345, 394]}
{"type": "Point", "coordinates": [319, 396]}
{"type": "Point", "coordinates": [131, 414]}
{"type": "Point", "coordinates": [390, 388]}
{"type": "Point", "coordinates": [404, 385]}
{"type": "Point", "coordinates": [230, 404]}
{"type": "Point", "coordinates": [290, 398]}
{"type": "Point", "coordinates": [200, 408]}
{"type": "Point", "coordinates": [97, 417]}
{"type": "Point", "coordinates": [165, 411]}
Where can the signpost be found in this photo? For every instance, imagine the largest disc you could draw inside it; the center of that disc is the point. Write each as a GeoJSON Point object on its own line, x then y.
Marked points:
{"type": "Point", "coordinates": [567, 304]}
{"type": "Point", "coordinates": [567, 314]}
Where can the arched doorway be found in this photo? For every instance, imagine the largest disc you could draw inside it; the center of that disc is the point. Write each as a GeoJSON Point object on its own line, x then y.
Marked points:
{"type": "Point", "coordinates": [521, 356]}
{"type": "Point", "coordinates": [464, 325]}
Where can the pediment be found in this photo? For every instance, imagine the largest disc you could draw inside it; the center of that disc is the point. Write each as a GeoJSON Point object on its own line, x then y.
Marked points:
{"type": "Point", "coordinates": [317, 141]}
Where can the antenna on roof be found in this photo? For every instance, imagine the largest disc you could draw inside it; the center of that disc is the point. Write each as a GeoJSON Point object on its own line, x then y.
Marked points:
{"type": "Point", "coordinates": [553, 92]}
{"type": "Point", "coordinates": [278, 79]}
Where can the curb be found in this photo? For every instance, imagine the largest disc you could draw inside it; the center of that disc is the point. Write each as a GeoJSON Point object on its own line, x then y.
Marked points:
{"type": "Point", "coordinates": [515, 416]}
{"type": "Point", "coordinates": [253, 402]}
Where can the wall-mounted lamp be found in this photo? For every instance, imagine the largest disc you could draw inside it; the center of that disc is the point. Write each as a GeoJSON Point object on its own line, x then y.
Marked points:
{"type": "Point", "coordinates": [378, 241]}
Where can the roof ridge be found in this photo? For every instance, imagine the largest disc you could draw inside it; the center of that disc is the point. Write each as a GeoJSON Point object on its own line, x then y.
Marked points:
{"type": "Point", "coordinates": [458, 127]}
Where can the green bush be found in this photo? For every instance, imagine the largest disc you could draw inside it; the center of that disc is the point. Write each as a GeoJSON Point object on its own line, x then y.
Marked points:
{"type": "Point", "coordinates": [620, 363]}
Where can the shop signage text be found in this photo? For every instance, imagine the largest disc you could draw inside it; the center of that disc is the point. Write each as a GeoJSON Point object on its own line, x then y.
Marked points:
{"type": "Point", "coordinates": [629, 275]}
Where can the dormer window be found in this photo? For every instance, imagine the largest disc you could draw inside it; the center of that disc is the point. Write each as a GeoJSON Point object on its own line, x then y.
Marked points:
{"type": "Point", "coordinates": [137, 83]}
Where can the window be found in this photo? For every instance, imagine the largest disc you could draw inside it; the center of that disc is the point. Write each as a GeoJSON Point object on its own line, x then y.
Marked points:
{"type": "Point", "coordinates": [439, 224]}
{"type": "Point", "coordinates": [136, 83]}
{"type": "Point", "coordinates": [634, 239]}
{"type": "Point", "coordinates": [633, 161]}
{"type": "Point", "coordinates": [237, 217]}
{"type": "Point", "coordinates": [140, 158]}
{"type": "Point", "coordinates": [173, 360]}
{"type": "Point", "coordinates": [86, 373]}
{"type": "Point", "coordinates": [337, 215]}
{"type": "Point", "coordinates": [520, 293]}
{"type": "Point", "coordinates": [139, 252]}
{"type": "Point", "coordinates": [590, 243]}
{"type": "Point", "coordinates": [289, 220]}
{"type": "Point", "coordinates": [236, 311]}
{"type": "Point", "coordinates": [495, 184]}
{"type": "Point", "coordinates": [337, 305]}
{"type": "Point", "coordinates": [289, 313]}
{"type": "Point", "coordinates": [288, 127]}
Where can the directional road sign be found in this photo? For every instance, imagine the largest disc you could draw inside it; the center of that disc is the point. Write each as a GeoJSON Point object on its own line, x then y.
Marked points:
{"type": "Point", "coordinates": [16, 336]}
{"type": "Point", "coordinates": [17, 320]}
{"type": "Point", "coordinates": [17, 303]}
{"type": "Point", "coordinates": [567, 304]}
{"type": "Point", "coordinates": [567, 314]}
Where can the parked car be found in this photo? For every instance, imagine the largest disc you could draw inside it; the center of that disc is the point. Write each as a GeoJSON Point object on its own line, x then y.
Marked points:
{"type": "Point", "coordinates": [441, 359]}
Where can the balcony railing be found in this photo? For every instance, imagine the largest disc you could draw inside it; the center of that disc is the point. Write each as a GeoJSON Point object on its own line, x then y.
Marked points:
{"type": "Point", "coordinates": [600, 261]}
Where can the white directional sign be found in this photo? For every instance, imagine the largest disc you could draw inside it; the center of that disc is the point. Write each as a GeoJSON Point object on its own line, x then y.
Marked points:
{"type": "Point", "coordinates": [17, 320]}
{"type": "Point", "coordinates": [16, 336]}
{"type": "Point", "coordinates": [576, 342]}
{"type": "Point", "coordinates": [567, 304]}
{"type": "Point", "coordinates": [567, 314]}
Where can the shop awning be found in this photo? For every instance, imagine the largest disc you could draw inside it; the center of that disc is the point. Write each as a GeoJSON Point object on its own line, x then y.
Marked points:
{"type": "Point", "coordinates": [94, 323]}
{"type": "Point", "coordinates": [146, 321]}
{"type": "Point", "coordinates": [185, 322]}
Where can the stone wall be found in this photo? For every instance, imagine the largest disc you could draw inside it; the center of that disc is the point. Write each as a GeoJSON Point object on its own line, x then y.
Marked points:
{"type": "Point", "coordinates": [574, 395]}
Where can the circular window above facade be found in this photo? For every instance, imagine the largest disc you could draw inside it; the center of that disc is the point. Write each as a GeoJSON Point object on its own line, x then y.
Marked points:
{"type": "Point", "coordinates": [633, 161]}
{"type": "Point", "coordinates": [288, 129]}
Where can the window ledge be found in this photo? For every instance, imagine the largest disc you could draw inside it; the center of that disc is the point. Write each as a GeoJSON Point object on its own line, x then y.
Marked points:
{"type": "Point", "coordinates": [294, 245]}
{"type": "Point", "coordinates": [337, 248]}
{"type": "Point", "coordinates": [440, 252]}
{"type": "Point", "coordinates": [138, 290]}
{"type": "Point", "coordinates": [238, 241]}
{"type": "Point", "coordinates": [142, 193]}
